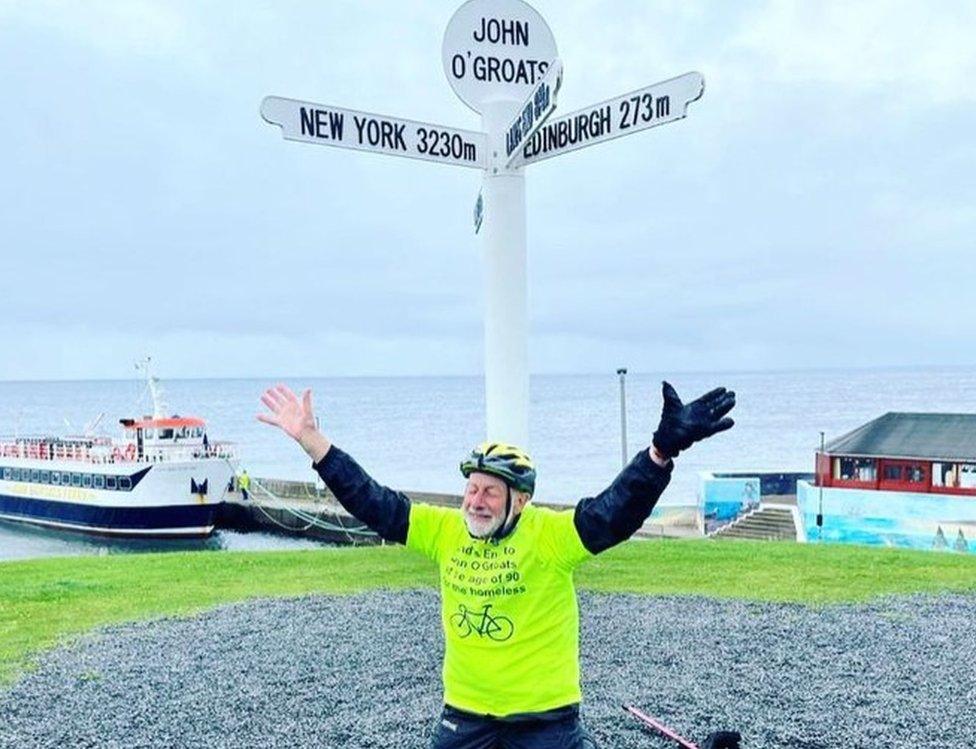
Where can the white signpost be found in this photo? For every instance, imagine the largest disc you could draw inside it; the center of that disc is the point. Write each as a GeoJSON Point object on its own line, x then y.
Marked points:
{"type": "Point", "coordinates": [500, 58]}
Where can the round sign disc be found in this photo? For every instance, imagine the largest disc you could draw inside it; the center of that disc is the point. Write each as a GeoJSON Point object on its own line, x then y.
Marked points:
{"type": "Point", "coordinates": [496, 50]}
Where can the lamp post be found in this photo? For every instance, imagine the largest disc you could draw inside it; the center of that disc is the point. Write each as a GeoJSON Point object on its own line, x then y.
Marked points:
{"type": "Point", "coordinates": [820, 482]}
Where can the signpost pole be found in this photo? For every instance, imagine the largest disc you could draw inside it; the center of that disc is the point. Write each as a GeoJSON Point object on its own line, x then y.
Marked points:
{"type": "Point", "coordinates": [505, 287]}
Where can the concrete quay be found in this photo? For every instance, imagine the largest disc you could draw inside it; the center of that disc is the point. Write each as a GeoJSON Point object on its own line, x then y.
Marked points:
{"type": "Point", "coordinates": [301, 508]}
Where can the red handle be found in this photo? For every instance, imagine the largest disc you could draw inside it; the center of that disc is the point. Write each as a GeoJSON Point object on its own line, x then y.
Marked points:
{"type": "Point", "coordinates": [659, 727]}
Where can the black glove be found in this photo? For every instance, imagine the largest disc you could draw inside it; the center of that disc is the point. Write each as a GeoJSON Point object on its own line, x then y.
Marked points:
{"type": "Point", "coordinates": [722, 740]}
{"type": "Point", "coordinates": [684, 424]}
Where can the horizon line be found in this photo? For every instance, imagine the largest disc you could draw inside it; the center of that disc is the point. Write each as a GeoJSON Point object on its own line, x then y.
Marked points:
{"type": "Point", "coordinates": [408, 376]}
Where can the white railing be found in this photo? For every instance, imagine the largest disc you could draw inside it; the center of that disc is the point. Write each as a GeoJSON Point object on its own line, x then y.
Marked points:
{"type": "Point", "coordinates": [105, 451]}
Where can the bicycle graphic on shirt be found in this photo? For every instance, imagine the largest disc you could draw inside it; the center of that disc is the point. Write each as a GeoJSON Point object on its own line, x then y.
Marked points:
{"type": "Point", "coordinates": [482, 623]}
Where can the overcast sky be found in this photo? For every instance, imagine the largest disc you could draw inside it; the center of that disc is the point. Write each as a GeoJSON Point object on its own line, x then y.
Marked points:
{"type": "Point", "coordinates": [816, 208]}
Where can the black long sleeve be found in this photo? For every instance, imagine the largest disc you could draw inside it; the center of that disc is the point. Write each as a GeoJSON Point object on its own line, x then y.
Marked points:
{"type": "Point", "coordinates": [385, 511]}
{"type": "Point", "coordinates": [615, 514]}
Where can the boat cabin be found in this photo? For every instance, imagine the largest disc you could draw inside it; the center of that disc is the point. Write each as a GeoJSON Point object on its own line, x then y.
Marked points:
{"type": "Point", "coordinates": [159, 437]}
{"type": "Point", "coordinates": [906, 452]}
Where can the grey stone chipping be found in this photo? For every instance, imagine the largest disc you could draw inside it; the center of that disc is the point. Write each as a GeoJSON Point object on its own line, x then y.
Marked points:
{"type": "Point", "coordinates": [364, 671]}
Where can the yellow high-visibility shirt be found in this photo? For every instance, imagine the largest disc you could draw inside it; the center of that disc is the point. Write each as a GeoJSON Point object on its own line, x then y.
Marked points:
{"type": "Point", "coordinates": [508, 609]}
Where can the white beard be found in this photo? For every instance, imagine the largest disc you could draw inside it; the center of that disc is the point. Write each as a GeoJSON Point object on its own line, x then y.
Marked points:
{"type": "Point", "coordinates": [482, 527]}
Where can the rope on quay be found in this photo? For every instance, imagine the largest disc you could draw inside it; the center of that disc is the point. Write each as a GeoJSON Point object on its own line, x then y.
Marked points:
{"type": "Point", "coordinates": [308, 518]}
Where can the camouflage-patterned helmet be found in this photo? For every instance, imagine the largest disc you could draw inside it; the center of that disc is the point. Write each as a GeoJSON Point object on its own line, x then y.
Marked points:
{"type": "Point", "coordinates": [507, 462]}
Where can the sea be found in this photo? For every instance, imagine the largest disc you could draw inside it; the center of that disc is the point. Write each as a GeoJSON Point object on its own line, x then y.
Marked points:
{"type": "Point", "coordinates": [412, 432]}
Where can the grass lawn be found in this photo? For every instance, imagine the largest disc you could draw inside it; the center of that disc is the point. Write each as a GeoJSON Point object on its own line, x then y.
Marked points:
{"type": "Point", "coordinates": [46, 600]}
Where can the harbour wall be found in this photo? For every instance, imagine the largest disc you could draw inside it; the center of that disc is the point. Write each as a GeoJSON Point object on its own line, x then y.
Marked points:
{"type": "Point", "coordinates": [306, 509]}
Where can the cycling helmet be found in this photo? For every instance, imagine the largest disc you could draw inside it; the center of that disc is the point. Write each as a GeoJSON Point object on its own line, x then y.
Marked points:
{"type": "Point", "coordinates": [507, 462]}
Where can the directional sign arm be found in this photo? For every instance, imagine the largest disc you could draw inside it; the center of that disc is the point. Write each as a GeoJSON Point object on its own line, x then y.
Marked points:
{"type": "Point", "coordinates": [534, 111]}
{"type": "Point", "coordinates": [364, 131]}
{"type": "Point", "coordinates": [647, 107]}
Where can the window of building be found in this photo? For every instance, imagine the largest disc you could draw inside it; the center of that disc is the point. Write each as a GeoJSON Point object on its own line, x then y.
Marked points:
{"type": "Point", "coordinates": [856, 469]}
{"type": "Point", "coordinates": [907, 473]}
{"type": "Point", "coordinates": [967, 476]}
{"type": "Point", "coordinates": [954, 475]}
{"type": "Point", "coordinates": [892, 473]}
{"type": "Point", "coordinates": [945, 475]}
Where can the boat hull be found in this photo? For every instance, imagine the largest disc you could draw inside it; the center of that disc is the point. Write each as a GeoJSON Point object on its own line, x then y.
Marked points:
{"type": "Point", "coordinates": [174, 521]}
{"type": "Point", "coordinates": [158, 500]}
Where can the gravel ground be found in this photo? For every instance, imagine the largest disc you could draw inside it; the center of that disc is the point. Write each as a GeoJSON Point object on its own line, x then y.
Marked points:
{"type": "Point", "coordinates": [364, 671]}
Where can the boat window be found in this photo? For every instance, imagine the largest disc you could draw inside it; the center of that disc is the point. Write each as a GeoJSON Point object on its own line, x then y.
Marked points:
{"type": "Point", "coordinates": [56, 478]}
{"type": "Point", "coordinates": [110, 482]}
{"type": "Point", "coordinates": [8, 474]}
{"type": "Point", "coordinates": [892, 473]}
{"type": "Point", "coordinates": [99, 482]}
{"type": "Point", "coordinates": [150, 434]}
{"type": "Point", "coordinates": [16, 474]}
{"type": "Point", "coordinates": [35, 476]}
{"type": "Point", "coordinates": [45, 477]}
{"type": "Point", "coordinates": [125, 483]}
{"type": "Point", "coordinates": [165, 434]}
{"type": "Point", "coordinates": [86, 481]}
{"type": "Point", "coordinates": [76, 479]}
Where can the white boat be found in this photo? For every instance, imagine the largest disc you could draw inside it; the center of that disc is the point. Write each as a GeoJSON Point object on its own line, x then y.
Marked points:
{"type": "Point", "coordinates": [162, 477]}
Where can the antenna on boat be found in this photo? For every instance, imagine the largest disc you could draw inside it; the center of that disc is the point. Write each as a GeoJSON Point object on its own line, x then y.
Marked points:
{"type": "Point", "coordinates": [155, 391]}
{"type": "Point", "coordinates": [92, 425]}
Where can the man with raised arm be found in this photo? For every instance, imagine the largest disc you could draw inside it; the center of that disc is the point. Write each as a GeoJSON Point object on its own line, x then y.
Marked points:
{"type": "Point", "coordinates": [508, 605]}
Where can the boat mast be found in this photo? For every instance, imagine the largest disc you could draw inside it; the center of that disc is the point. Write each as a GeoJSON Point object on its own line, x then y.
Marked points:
{"type": "Point", "coordinates": [155, 391]}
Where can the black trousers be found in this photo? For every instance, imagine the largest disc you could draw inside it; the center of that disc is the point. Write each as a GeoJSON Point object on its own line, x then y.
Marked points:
{"type": "Point", "coordinates": [556, 729]}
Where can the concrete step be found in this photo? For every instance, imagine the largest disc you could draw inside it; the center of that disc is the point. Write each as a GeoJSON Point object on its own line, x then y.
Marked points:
{"type": "Point", "coordinates": [754, 522]}
{"type": "Point", "coordinates": [774, 527]}
{"type": "Point", "coordinates": [765, 523]}
{"type": "Point", "coordinates": [746, 531]}
{"type": "Point", "coordinates": [743, 531]}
